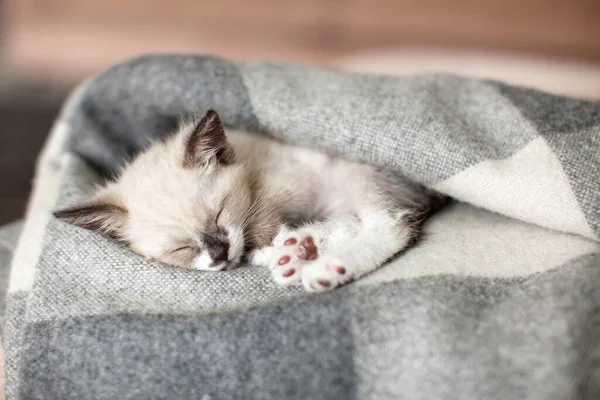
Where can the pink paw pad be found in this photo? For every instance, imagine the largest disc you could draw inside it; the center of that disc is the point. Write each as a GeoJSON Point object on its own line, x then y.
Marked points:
{"type": "Point", "coordinates": [290, 241]}
{"type": "Point", "coordinates": [307, 249]}
{"type": "Point", "coordinates": [288, 273]}
{"type": "Point", "coordinates": [284, 260]}
{"type": "Point", "coordinates": [324, 283]}
{"type": "Point", "coordinates": [340, 270]}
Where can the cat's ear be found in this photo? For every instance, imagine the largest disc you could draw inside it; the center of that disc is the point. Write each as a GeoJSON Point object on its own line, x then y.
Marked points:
{"type": "Point", "coordinates": [102, 214]}
{"type": "Point", "coordinates": [206, 142]}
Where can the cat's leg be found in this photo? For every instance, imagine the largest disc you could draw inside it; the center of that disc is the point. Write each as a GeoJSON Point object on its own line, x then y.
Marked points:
{"type": "Point", "coordinates": [324, 255]}
{"type": "Point", "coordinates": [359, 248]}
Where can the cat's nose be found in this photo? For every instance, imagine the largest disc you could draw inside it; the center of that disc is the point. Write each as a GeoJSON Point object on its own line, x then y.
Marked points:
{"type": "Point", "coordinates": [219, 251]}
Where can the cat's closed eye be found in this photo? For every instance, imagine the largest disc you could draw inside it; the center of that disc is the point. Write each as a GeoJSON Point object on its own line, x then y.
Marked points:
{"type": "Point", "coordinates": [184, 248]}
{"type": "Point", "coordinates": [181, 255]}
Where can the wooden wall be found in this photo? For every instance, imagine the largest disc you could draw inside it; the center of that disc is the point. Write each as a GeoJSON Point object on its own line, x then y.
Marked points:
{"type": "Point", "coordinates": [64, 39]}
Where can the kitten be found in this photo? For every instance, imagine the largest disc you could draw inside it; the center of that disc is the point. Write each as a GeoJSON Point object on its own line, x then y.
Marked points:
{"type": "Point", "coordinates": [204, 200]}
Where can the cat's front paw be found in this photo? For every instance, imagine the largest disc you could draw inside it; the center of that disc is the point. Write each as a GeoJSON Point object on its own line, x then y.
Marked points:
{"type": "Point", "coordinates": [326, 273]}
{"type": "Point", "coordinates": [288, 260]}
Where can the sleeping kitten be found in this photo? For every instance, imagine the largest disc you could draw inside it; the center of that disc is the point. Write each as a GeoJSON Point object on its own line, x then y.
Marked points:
{"type": "Point", "coordinates": [204, 200]}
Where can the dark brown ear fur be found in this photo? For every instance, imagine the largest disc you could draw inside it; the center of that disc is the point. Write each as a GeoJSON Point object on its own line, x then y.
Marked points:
{"type": "Point", "coordinates": [99, 215]}
{"type": "Point", "coordinates": [208, 141]}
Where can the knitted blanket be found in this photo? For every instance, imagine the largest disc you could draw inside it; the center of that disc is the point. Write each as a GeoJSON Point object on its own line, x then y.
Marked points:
{"type": "Point", "coordinates": [500, 299]}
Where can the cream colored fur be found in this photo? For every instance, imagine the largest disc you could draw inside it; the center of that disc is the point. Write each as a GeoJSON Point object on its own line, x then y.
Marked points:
{"type": "Point", "coordinates": [200, 201]}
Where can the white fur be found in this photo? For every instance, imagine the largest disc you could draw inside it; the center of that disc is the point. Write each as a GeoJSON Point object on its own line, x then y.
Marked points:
{"type": "Point", "coordinates": [204, 263]}
{"type": "Point", "coordinates": [262, 256]}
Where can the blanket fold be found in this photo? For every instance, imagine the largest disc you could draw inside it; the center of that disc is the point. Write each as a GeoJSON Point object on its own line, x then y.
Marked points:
{"type": "Point", "coordinates": [499, 301]}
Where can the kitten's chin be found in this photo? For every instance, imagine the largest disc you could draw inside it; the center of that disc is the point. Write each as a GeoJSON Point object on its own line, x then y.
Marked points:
{"type": "Point", "coordinates": [205, 263]}
{"type": "Point", "coordinates": [201, 265]}
{"type": "Point", "coordinates": [212, 268]}
{"type": "Point", "coordinates": [222, 266]}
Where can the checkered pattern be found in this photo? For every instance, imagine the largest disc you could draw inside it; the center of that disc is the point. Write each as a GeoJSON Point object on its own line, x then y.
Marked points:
{"type": "Point", "coordinates": [499, 301]}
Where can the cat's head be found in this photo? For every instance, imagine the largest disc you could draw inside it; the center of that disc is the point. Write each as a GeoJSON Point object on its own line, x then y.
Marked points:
{"type": "Point", "coordinates": [183, 201]}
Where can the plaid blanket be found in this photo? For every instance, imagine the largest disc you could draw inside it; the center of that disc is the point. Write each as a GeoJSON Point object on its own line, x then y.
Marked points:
{"type": "Point", "coordinates": [500, 300]}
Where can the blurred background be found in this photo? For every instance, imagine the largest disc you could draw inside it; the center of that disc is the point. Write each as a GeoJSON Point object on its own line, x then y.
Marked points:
{"type": "Point", "coordinates": [48, 46]}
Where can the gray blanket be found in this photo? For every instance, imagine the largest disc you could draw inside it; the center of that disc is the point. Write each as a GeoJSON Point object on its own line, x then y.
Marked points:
{"type": "Point", "coordinates": [500, 300]}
